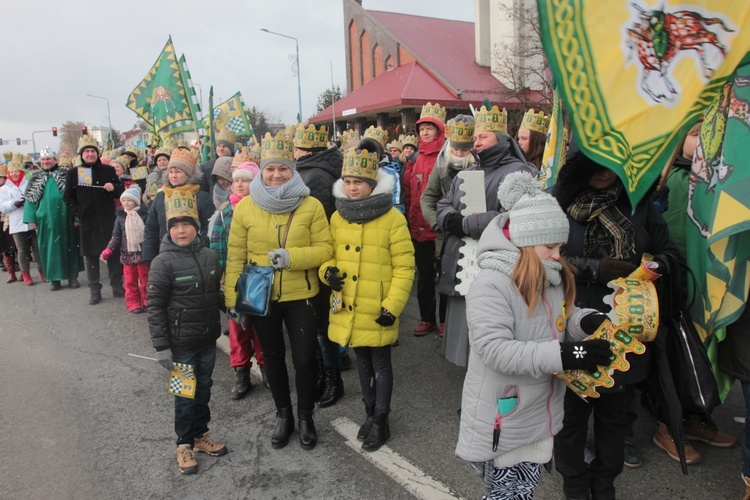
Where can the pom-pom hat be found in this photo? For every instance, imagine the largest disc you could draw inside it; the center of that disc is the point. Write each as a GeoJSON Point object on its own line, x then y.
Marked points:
{"type": "Point", "coordinates": [534, 217]}
{"type": "Point", "coordinates": [132, 193]}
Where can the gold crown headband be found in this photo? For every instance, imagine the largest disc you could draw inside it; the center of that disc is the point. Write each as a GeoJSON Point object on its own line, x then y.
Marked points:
{"type": "Point", "coordinates": [492, 120]}
{"type": "Point", "coordinates": [310, 137]}
{"type": "Point", "coordinates": [435, 111]}
{"type": "Point", "coordinates": [360, 163]}
{"type": "Point", "coordinates": [537, 122]}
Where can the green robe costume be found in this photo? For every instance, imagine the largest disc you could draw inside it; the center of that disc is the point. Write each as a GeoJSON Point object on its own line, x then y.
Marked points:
{"type": "Point", "coordinates": [56, 232]}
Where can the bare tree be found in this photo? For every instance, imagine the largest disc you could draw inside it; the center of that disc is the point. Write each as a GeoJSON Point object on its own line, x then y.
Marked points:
{"type": "Point", "coordinates": [71, 133]}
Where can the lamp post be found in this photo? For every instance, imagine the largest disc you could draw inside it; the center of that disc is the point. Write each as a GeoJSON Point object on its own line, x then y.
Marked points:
{"type": "Point", "coordinates": [299, 85]}
{"type": "Point", "coordinates": [109, 117]}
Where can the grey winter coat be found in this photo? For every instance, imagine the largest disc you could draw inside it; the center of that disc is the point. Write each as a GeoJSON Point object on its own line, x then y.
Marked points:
{"type": "Point", "coordinates": [512, 353]}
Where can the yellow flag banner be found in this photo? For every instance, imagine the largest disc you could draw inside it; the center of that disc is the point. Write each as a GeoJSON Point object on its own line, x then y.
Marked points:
{"type": "Point", "coordinates": [636, 74]}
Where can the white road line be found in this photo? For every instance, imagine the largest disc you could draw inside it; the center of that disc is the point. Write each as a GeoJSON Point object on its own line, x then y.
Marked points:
{"type": "Point", "coordinates": [395, 466]}
{"type": "Point", "coordinates": [223, 343]}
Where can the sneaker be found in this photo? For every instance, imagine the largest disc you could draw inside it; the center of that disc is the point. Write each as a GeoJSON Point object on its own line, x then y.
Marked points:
{"type": "Point", "coordinates": [632, 458]}
{"type": "Point", "coordinates": [708, 432]}
{"type": "Point", "coordinates": [186, 459]}
{"type": "Point", "coordinates": [663, 439]}
{"type": "Point", "coordinates": [206, 444]}
{"type": "Point", "coordinates": [441, 330]}
{"type": "Point", "coordinates": [424, 328]}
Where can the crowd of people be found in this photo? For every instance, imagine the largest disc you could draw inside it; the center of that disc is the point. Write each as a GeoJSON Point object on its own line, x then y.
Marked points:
{"type": "Point", "coordinates": [348, 227]}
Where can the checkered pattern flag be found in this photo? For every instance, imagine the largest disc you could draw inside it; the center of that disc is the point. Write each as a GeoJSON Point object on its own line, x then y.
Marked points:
{"type": "Point", "coordinates": [182, 381]}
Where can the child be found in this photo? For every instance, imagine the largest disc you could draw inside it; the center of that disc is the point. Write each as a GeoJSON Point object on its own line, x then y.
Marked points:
{"type": "Point", "coordinates": [183, 318]}
{"type": "Point", "coordinates": [372, 267]}
{"type": "Point", "coordinates": [243, 341]}
{"type": "Point", "coordinates": [522, 323]}
{"type": "Point", "coordinates": [127, 238]}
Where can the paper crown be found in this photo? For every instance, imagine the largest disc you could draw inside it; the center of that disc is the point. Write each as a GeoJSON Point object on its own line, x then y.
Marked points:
{"type": "Point", "coordinates": [435, 111]}
{"type": "Point", "coordinates": [349, 138]}
{"type": "Point", "coordinates": [290, 130]}
{"type": "Point", "coordinates": [16, 163]}
{"type": "Point", "coordinates": [410, 140]}
{"type": "Point", "coordinates": [460, 131]}
{"type": "Point", "coordinates": [3, 170]}
{"type": "Point", "coordinates": [241, 156]}
{"type": "Point", "coordinates": [360, 163]}
{"type": "Point", "coordinates": [154, 140]}
{"type": "Point", "coordinates": [310, 137]}
{"type": "Point", "coordinates": [376, 133]}
{"type": "Point", "coordinates": [226, 135]}
{"type": "Point", "coordinates": [123, 161]}
{"type": "Point", "coordinates": [185, 155]}
{"type": "Point", "coordinates": [64, 160]}
{"type": "Point", "coordinates": [135, 152]}
{"type": "Point", "coordinates": [86, 141]}
{"type": "Point", "coordinates": [180, 204]}
{"type": "Point", "coordinates": [255, 153]}
{"type": "Point", "coordinates": [47, 153]}
{"type": "Point", "coordinates": [8, 155]}
{"type": "Point", "coordinates": [394, 144]}
{"type": "Point", "coordinates": [536, 122]}
{"type": "Point", "coordinates": [164, 151]}
{"type": "Point", "coordinates": [276, 148]}
{"type": "Point", "coordinates": [492, 120]}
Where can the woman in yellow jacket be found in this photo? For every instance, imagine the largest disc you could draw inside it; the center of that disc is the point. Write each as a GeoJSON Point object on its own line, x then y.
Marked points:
{"type": "Point", "coordinates": [279, 198]}
{"type": "Point", "coordinates": [373, 269]}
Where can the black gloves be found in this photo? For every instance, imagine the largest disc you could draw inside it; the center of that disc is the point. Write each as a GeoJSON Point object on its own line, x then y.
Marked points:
{"type": "Point", "coordinates": [335, 281]}
{"type": "Point", "coordinates": [591, 322]}
{"type": "Point", "coordinates": [19, 203]}
{"type": "Point", "coordinates": [386, 318]}
{"type": "Point", "coordinates": [611, 269]}
{"type": "Point", "coordinates": [454, 224]}
{"type": "Point", "coordinates": [586, 355]}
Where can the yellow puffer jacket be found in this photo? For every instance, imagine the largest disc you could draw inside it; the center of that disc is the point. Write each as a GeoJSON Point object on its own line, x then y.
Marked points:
{"type": "Point", "coordinates": [377, 261]}
{"type": "Point", "coordinates": [255, 232]}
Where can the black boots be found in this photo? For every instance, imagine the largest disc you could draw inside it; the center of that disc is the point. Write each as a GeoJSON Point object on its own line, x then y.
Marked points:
{"type": "Point", "coordinates": [242, 383]}
{"type": "Point", "coordinates": [307, 436]}
{"type": "Point", "coordinates": [320, 384]}
{"type": "Point", "coordinates": [334, 388]}
{"type": "Point", "coordinates": [379, 433]}
{"type": "Point", "coordinates": [284, 427]}
{"type": "Point", "coordinates": [96, 297]}
{"type": "Point", "coordinates": [364, 431]}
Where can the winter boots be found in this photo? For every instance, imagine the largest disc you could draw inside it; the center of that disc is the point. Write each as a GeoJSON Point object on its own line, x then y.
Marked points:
{"type": "Point", "coordinates": [10, 265]}
{"type": "Point", "coordinates": [96, 297]}
{"type": "Point", "coordinates": [27, 280]}
{"type": "Point", "coordinates": [334, 388]}
{"type": "Point", "coordinates": [186, 459]}
{"type": "Point", "coordinates": [284, 427]}
{"type": "Point", "coordinates": [364, 431]}
{"type": "Point", "coordinates": [208, 445]}
{"type": "Point", "coordinates": [379, 433]}
{"type": "Point", "coordinates": [308, 438]}
{"type": "Point", "coordinates": [242, 384]}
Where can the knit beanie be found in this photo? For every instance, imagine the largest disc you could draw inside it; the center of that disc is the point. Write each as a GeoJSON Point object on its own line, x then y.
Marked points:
{"type": "Point", "coordinates": [132, 193]}
{"type": "Point", "coordinates": [246, 170]}
{"type": "Point", "coordinates": [227, 144]}
{"type": "Point", "coordinates": [535, 218]}
{"type": "Point", "coordinates": [222, 168]}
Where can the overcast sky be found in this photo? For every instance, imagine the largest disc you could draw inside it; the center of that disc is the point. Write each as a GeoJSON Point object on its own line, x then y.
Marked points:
{"type": "Point", "coordinates": [57, 51]}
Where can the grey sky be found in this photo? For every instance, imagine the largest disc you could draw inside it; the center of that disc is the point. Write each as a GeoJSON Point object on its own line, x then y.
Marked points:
{"type": "Point", "coordinates": [55, 52]}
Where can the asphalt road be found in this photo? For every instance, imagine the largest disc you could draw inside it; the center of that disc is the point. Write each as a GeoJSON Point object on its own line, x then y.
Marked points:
{"type": "Point", "coordinates": [80, 418]}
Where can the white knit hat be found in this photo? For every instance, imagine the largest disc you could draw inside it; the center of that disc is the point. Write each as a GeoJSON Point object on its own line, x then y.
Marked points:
{"type": "Point", "coordinates": [535, 218]}
{"type": "Point", "coordinates": [132, 193]}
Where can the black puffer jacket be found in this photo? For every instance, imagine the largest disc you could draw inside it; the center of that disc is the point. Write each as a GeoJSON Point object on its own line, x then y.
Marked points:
{"type": "Point", "coordinates": [184, 296]}
{"type": "Point", "coordinates": [319, 171]}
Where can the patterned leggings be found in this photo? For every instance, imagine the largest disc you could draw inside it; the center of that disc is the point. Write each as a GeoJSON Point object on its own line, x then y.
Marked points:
{"type": "Point", "coordinates": [517, 482]}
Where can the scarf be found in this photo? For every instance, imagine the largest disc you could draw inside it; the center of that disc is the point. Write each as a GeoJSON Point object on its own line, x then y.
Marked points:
{"type": "Point", "coordinates": [234, 199]}
{"type": "Point", "coordinates": [133, 230]}
{"type": "Point", "coordinates": [364, 209]}
{"type": "Point", "coordinates": [221, 195]}
{"type": "Point", "coordinates": [505, 260]}
{"type": "Point", "coordinates": [608, 232]}
{"type": "Point", "coordinates": [38, 181]}
{"type": "Point", "coordinates": [184, 190]}
{"type": "Point", "coordinates": [20, 179]}
{"type": "Point", "coordinates": [282, 199]}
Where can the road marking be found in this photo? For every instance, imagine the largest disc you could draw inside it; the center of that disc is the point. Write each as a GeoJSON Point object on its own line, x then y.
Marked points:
{"type": "Point", "coordinates": [223, 343]}
{"type": "Point", "coordinates": [395, 466]}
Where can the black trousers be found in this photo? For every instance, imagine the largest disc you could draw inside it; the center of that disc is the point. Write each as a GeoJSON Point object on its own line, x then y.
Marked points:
{"type": "Point", "coordinates": [424, 257]}
{"type": "Point", "coordinates": [375, 377]}
{"type": "Point", "coordinates": [114, 267]}
{"type": "Point", "coordinates": [610, 427]}
{"type": "Point", "coordinates": [301, 322]}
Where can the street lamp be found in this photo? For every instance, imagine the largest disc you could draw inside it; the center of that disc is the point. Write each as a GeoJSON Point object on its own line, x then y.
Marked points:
{"type": "Point", "coordinates": [109, 117]}
{"type": "Point", "coordinates": [299, 85]}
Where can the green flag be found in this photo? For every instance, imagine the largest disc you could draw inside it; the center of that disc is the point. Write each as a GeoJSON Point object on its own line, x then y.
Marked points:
{"type": "Point", "coordinates": [160, 99]}
{"type": "Point", "coordinates": [209, 139]}
{"type": "Point", "coordinates": [231, 115]}
{"type": "Point", "coordinates": [195, 125]}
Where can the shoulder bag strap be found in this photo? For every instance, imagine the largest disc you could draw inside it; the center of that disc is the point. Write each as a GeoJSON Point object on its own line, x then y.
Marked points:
{"type": "Point", "coordinates": [286, 231]}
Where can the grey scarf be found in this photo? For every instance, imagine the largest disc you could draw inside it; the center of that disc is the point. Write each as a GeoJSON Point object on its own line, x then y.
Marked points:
{"type": "Point", "coordinates": [364, 209]}
{"type": "Point", "coordinates": [505, 260]}
{"type": "Point", "coordinates": [278, 200]}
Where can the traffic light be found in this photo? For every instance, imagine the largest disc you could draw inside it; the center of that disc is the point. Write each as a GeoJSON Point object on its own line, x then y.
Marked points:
{"type": "Point", "coordinates": [54, 131]}
{"type": "Point", "coordinates": [18, 141]}
{"type": "Point", "coordinates": [1, 142]}
{"type": "Point", "coordinates": [85, 130]}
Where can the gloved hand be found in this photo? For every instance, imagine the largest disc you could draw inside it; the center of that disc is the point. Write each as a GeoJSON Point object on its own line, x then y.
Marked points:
{"type": "Point", "coordinates": [454, 224]}
{"type": "Point", "coordinates": [236, 317]}
{"type": "Point", "coordinates": [611, 269]}
{"type": "Point", "coordinates": [164, 358]}
{"type": "Point", "coordinates": [334, 279]}
{"type": "Point", "coordinates": [385, 318]}
{"type": "Point", "coordinates": [19, 203]}
{"type": "Point", "coordinates": [279, 258]}
{"type": "Point", "coordinates": [586, 355]}
{"type": "Point", "coordinates": [106, 254]}
{"type": "Point", "coordinates": [591, 322]}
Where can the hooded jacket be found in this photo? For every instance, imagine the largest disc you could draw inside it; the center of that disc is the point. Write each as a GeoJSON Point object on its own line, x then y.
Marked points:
{"type": "Point", "coordinates": [319, 171]}
{"type": "Point", "coordinates": [9, 194]}
{"type": "Point", "coordinates": [119, 240]}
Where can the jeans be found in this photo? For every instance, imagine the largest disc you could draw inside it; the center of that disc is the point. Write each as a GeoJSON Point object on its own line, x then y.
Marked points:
{"type": "Point", "coordinates": [327, 349]}
{"type": "Point", "coordinates": [114, 267]}
{"type": "Point", "coordinates": [301, 322]}
{"type": "Point", "coordinates": [424, 257]}
{"type": "Point", "coordinates": [26, 242]}
{"type": "Point", "coordinates": [745, 438]}
{"type": "Point", "coordinates": [191, 416]}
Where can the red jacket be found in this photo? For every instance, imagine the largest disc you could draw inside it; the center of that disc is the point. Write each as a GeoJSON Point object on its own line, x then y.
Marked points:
{"type": "Point", "coordinates": [416, 174]}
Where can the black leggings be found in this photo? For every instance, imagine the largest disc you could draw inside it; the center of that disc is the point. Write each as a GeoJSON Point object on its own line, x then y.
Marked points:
{"type": "Point", "coordinates": [375, 377]}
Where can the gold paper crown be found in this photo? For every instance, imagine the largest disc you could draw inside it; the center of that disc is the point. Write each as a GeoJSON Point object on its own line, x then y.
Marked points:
{"type": "Point", "coordinates": [410, 140]}
{"type": "Point", "coordinates": [538, 122]}
{"type": "Point", "coordinates": [435, 111]}
{"type": "Point", "coordinates": [16, 163]}
{"type": "Point", "coordinates": [276, 148]}
{"type": "Point", "coordinates": [8, 155]}
{"type": "Point", "coordinates": [360, 163]}
{"type": "Point", "coordinates": [394, 144]}
{"type": "Point", "coordinates": [255, 153]}
{"type": "Point", "coordinates": [376, 133]}
{"type": "Point", "coordinates": [182, 144]}
{"type": "Point", "coordinates": [86, 141]}
{"type": "Point", "coordinates": [64, 160]}
{"type": "Point", "coordinates": [227, 135]}
{"type": "Point", "coordinates": [310, 137]}
{"type": "Point", "coordinates": [184, 155]}
{"type": "Point", "coordinates": [460, 131]}
{"type": "Point", "coordinates": [180, 204]}
{"type": "Point", "coordinates": [290, 130]}
{"type": "Point", "coordinates": [349, 137]}
{"type": "Point", "coordinates": [492, 120]}
{"type": "Point", "coordinates": [241, 156]}
{"type": "Point", "coordinates": [169, 142]}
{"type": "Point", "coordinates": [136, 151]}
{"type": "Point", "coordinates": [164, 150]}
{"type": "Point", "coordinates": [123, 161]}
